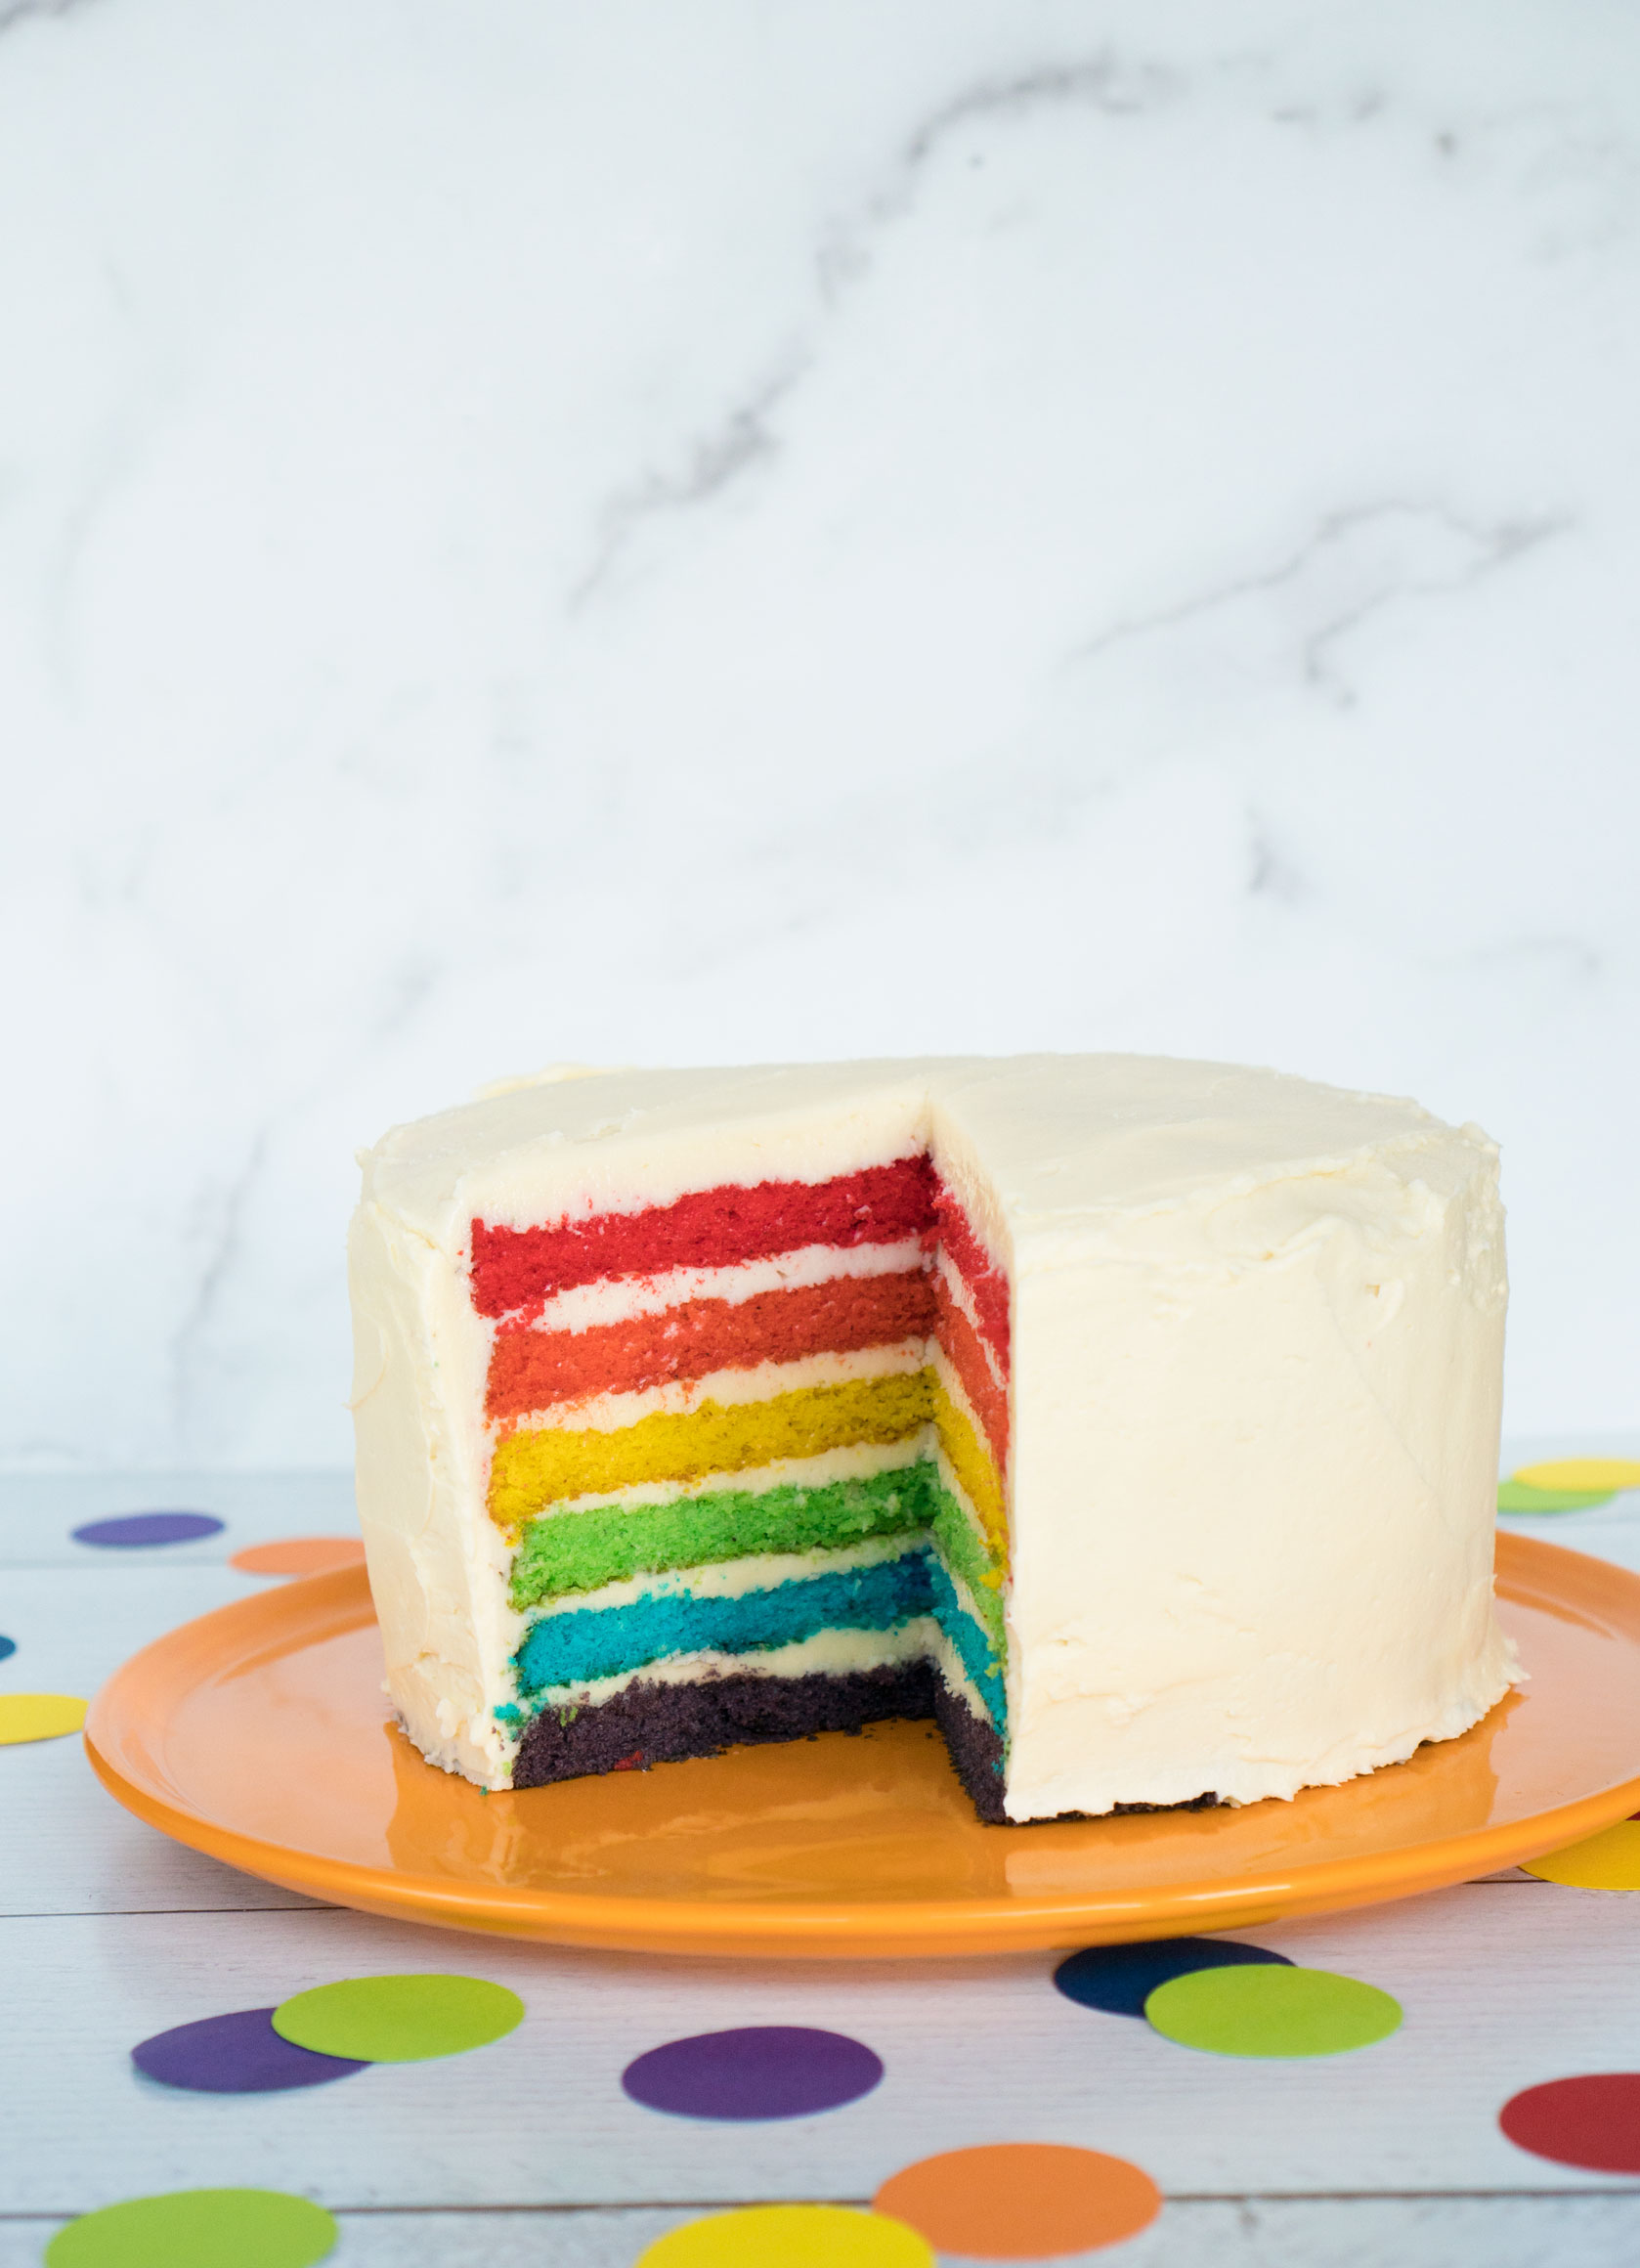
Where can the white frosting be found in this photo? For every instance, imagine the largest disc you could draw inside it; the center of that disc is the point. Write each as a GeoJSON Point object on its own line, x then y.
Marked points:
{"type": "Point", "coordinates": [1256, 1358]}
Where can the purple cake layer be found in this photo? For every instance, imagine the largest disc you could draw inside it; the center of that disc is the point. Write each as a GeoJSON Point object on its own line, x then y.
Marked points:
{"type": "Point", "coordinates": [975, 1750]}
{"type": "Point", "coordinates": [663, 1723]}
{"type": "Point", "coordinates": [660, 1723]}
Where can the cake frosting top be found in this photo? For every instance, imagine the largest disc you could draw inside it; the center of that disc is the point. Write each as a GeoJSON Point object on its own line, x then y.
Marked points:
{"type": "Point", "coordinates": [1064, 1151]}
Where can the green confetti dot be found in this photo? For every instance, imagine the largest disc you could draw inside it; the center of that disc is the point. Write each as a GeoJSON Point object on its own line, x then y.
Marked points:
{"type": "Point", "coordinates": [1519, 1496]}
{"type": "Point", "coordinates": [399, 2019]}
{"type": "Point", "coordinates": [1270, 2011]}
{"type": "Point", "coordinates": [197, 2228]}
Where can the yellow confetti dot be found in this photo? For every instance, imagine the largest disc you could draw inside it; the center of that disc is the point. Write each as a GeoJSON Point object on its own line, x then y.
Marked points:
{"type": "Point", "coordinates": [1609, 1860]}
{"type": "Point", "coordinates": [38, 1717]}
{"type": "Point", "coordinates": [1582, 1473]}
{"type": "Point", "coordinates": [794, 2237]}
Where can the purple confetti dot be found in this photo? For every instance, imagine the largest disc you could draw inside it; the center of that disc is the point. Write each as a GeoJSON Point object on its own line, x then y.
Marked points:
{"type": "Point", "coordinates": [136, 1529]}
{"type": "Point", "coordinates": [239, 2054]}
{"type": "Point", "coordinates": [762, 2070]}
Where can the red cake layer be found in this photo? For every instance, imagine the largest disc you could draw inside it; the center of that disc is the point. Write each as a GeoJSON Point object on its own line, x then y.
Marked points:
{"type": "Point", "coordinates": [533, 1370]}
{"type": "Point", "coordinates": [987, 1285]}
{"type": "Point", "coordinates": [515, 1270]}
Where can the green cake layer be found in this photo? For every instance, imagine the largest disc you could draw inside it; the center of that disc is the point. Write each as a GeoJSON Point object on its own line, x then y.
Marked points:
{"type": "Point", "coordinates": [566, 1553]}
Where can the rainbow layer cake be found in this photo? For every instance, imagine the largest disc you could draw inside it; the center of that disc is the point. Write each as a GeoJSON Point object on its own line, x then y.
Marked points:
{"type": "Point", "coordinates": [1136, 1420]}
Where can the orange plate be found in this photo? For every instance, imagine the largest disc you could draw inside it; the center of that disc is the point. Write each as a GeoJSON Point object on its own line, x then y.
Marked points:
{"type": "Point", "coordinates": [259, 1733]}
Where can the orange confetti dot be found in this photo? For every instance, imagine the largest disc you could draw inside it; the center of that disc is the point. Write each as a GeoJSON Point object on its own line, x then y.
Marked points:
{"type": "Point", "coordinates": [1021, 2200]}
{"type": "Point", "coordinates": [300, 1555]}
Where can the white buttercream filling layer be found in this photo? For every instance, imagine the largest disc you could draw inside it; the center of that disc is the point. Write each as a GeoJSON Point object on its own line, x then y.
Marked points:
{"type": "Point", "coordinates": [756, 1382]}
{"type": "Point", "coordinates": [624, 1298]}
{"type": "Point", "coordinates": [862, 1461]}
{"type": "Point", "coordinates": [734, 1577]}
{"type": "Point", "coordinates": [835, 1653]}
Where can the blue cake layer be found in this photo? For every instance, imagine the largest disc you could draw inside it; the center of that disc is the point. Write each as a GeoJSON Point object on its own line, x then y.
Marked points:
{"type": "Point", "coordinates": [593, 1642]}
{"type": "Point", "coordinates": [973, 1647]}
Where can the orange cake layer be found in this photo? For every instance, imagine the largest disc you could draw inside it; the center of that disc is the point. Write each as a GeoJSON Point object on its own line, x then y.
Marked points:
{"type": "Point", "coordinates": [534, 1369]}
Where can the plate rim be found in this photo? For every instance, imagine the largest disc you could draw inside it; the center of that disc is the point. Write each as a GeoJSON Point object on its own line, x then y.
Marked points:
{"type": "Point", "coordinates": [832, 1929]}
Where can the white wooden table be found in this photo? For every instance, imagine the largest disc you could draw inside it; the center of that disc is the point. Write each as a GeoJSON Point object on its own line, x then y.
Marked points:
{"type": "Point", "coordinates": [529, 2152]}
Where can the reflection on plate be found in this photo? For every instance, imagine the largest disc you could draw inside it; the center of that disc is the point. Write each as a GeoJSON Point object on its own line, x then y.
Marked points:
{"type": "Point", "coordinates": [258, 1735]}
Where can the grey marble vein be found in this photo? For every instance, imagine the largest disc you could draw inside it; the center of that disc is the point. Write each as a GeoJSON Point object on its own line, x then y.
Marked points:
{"type": "Point", "coordinates": [742, 440]}
{"type": "Point", "coordinates": [1358, 561]}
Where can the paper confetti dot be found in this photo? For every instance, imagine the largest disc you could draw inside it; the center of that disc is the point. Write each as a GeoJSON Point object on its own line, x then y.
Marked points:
{"type": "Point", "coordinates": [7, 1646]}
{"type": "Point", "coordinates": [761, 2071]}
{"type": "Point", "coordinates": [790, 2237]}
{"type": "Point", "coordinates": [1582, 1473]}
{"type": "Point", "coordinates": [198, 2228]}
{"type": "Point", "coordinates": [1022, 2201]}
{"type": "Point", "coordinates": [1120, 1978]}
{"type": "Point", "coordinates": [1609, 1860]}
{"type": "Point", "coordinates": [238, 2054]}
{"type": "Point", "coordinates": [1517, 1495]}
{"type": "Point", "coordinates": [1593, 2121]}
{"type": "Point", "coordinates": [1271, 2012]}
{"type": "Point", "coordinates": [38, 1717]}
{"type": "Point", "coordinates": [299, 1556]}
{"type": "Point", "coordinates": [399, 2019]}
{"type": "Point", "coordinates": [135, 1531]}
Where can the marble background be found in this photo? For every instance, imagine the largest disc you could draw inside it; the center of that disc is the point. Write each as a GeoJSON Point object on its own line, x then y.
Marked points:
{"type": "Point", "coordinates": [640, 533]}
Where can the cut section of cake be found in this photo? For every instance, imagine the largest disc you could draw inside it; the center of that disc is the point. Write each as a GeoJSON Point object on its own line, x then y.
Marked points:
{"type": "Point", "coordinates": [1135, 1421]}
{"type": "Point", "coordinates": [740, 1442]}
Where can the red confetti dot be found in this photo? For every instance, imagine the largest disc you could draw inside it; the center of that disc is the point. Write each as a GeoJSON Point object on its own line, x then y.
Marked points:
{"type": "Point", "coordinates": [1593, 2121]}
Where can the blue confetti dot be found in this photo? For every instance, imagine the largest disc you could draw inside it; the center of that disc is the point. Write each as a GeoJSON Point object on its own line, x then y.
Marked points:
{"type": "Point", "coordinates": [1120, 1978]}
{"type": "Point", "coordinates": [7, 1646]}
{"type": "Point", "coordinates": [132, 1531]}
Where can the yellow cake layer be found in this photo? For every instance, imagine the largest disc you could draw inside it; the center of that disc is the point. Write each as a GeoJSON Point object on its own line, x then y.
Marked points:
{"type": "Point", "coordinates": [967, 1453]}
{"type": "Point", "coordinates": [532, 1469]}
